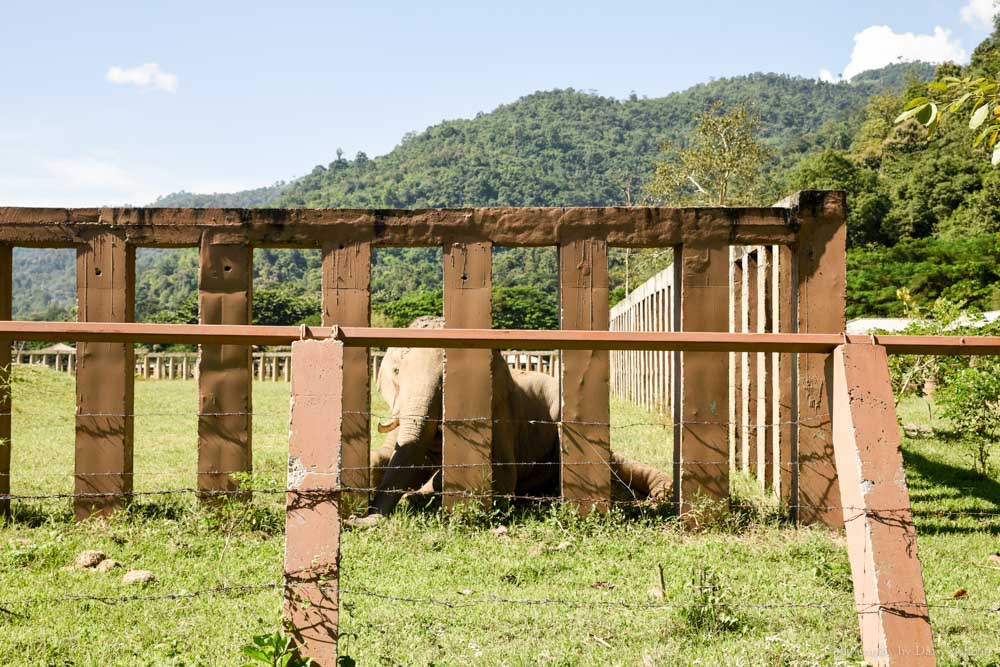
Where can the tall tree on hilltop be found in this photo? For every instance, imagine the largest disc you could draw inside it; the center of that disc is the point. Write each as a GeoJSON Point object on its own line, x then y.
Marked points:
{"type": "Point", "coordinates": [722, 165]}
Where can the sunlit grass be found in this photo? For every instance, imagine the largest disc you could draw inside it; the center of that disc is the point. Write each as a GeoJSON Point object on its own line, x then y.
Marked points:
{"type": "Point", "coordinates": [595, 574]}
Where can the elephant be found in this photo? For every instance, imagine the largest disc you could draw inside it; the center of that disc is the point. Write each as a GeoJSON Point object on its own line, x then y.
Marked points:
{"type": "Point", "coordinates": [525, 452]}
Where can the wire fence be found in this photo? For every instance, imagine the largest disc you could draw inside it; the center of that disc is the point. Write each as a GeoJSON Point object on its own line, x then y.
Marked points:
{"type": "Point", "coordinates": [583, 598]}
{"type": "Point", "coordinates": [664, 426]}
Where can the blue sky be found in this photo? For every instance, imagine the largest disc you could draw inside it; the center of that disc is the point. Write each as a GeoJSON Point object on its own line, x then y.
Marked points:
{"type": "Point", "coordinates": [117, 102]}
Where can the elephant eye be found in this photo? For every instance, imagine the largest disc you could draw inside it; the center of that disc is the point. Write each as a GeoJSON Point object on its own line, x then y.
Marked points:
{"type": "Point", "coordinates": [395, 371]}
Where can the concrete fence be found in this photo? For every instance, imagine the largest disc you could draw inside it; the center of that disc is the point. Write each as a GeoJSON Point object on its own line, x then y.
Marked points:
{"type": "Point", "coordinates": [808, 227]}
{"type": "Point", "coordinates": [267, 366]}
{"type": "Point", "coordinates": [643, 377]}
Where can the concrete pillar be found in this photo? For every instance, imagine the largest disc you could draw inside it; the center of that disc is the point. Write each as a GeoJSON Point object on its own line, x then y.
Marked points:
{"type": "Point", "coordinates": [346, 280]}
{"type": "Point", "coordinates": [881, 539]}
{"type": "Point", "coordinates": [821, 273]}
{"type": "Point", "coordinates": [224, 371]}
{"type": "Point", "coordinates": [467, 431]}
{"type": "Point", "coordinates": [312, 512]}
{"type": "Point", "coordinates": [6, 300]}
{"type": "Point", "coordinates": [585, 432]}
{"type": "Point", "coordinates": [105, 379]}
{"type": "Point", "coordinates": [701, 452]}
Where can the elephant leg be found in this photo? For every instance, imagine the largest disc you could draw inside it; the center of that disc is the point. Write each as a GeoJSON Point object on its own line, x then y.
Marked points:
{"type": "Point", "coordinates": [428, 493]}
{"type": "Point", "coordinates": [642, 479]}
{"type": "Point", "coordinates": [379, 460]}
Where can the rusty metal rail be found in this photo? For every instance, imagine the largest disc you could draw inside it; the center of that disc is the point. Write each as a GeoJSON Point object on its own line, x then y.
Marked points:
{"type": "Point", "coordinates": [688, 341]}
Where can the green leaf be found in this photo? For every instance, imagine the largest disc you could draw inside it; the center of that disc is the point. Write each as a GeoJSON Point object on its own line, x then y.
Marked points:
{"type": "Point", "coordinates": [916, 102]}
{"type": "Point", "coordinates": [909, 113]}
{"type": "Point", "coordinates": [927, 114]}
{"type": "Point", "coordinates": [979, 116]}
{"type": "Point", "coordinates": [256, 654]}
{"type": "Point", "coordinates": [933, 126]}
{"type": "Point", "coordinates": [982, 136]}
{"type": "Point", "coordinates": [959, 103]}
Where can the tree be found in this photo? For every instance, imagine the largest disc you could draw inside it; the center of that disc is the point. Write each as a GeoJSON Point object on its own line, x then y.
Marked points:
{"type": "Point", "coordinates": [722, 164]}
{"type": "Point", "coordinates": [281, 306]}
{"type": "Point", "coordinates": [411, 306]}
{"type": "Point", "coordinates": [524, 307]}
{"type": "Point", "coordinates": [834, 170]}
{"type": "Point", "coordinates": [633, 266]}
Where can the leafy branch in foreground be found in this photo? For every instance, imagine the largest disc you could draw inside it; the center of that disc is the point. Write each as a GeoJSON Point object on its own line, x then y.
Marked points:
{"type": "Point", "coordinates": [951, 95]}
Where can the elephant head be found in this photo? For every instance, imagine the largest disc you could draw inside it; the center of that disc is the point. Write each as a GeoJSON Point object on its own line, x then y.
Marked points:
{"type": "Point", "coordinates": [410, 380]}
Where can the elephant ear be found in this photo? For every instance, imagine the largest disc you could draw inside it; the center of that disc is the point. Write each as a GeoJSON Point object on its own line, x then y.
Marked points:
{"type": "Point", "coordinates": [502, 384]}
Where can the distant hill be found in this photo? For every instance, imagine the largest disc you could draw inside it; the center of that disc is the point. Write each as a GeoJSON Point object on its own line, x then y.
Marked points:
{"type": "Point", "coordinates": [244, 199]}
{"type": "Point", "coordinates": [552, 148]}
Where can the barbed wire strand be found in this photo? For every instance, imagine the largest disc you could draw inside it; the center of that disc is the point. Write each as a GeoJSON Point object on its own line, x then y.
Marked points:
{"type": "Point", "coordinates": [332, 492]}
{"type": "Point", "coordinates": [454, 603]}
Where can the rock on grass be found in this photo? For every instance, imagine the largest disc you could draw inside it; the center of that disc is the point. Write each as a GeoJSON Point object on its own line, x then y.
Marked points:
{"type": "Point", "coordinates": [138, 577]}
{"type": "Point", "coordinates": [88, 559]}
{"type": "Point", "coordinates": [107, 565]}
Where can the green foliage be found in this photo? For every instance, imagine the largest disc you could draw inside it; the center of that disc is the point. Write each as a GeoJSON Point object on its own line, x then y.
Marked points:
{"type": "Point", "coordinates": [524, 307]}
{"type": "Point", "coordinates": [708, 611]}
{"type": "Point", "coordinates": [283, 306]}
{"type": "Point", "coordinates": [44, 283]}
{"type": "Point", "coordinates": [185, 313]}
{"type": "Point", "coordinates": [416, 304]}
{"type": "Point", "coordinates": [277, 650]}
{"type": "Point", "coordinates": [256, 198]}
{"type": "Point", "coordinates": [969, 391]}
{"type": "Point", "coordinates": [978, 95]}
{"type": "Point", "coordinates": [399, 271]}
{"type": "Point", "coordinates": [972, 402]}
{"type": "Point", "coordinates": [520, 307]}
{"type": "Point", "coordinates": [630, 267]}
{"type": "Point", "coordinates": [909, 373]}
{"type": "Point", "coordinates": [721, 164]}
{"type": "Point", "coordinates": [869, 201]}
{"type": "Point", "coordinates": [957, 269]}
{"type": "Point", "coordinates": [570, 148]}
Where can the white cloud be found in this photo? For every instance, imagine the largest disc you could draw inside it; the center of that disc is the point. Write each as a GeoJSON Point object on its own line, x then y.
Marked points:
{"type": "Point", "coordinates": [828, 76]}
{"type": "Point", "coordinates": [144, 76]}
{"type": "Point", "coordinates": [89, 173]}
{"type": "Point", "coordinates": [980, 13]}
{"type": "Point", "coordinates": [94, 178]}
{"type": "Point", "coordinates": [879, 45]}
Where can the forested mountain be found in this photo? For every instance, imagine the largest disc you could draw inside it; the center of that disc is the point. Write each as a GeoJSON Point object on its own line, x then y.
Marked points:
{"type": "Point", "coordinates": [255, 198]}
{"type": "Point", "coordinates": [924, 215]}
{"type": "Point", "coordinates": [554, 148]}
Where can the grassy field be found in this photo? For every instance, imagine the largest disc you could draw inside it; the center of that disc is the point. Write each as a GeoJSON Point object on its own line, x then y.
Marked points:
{"type": "Point", "coordinates": [781, 595]}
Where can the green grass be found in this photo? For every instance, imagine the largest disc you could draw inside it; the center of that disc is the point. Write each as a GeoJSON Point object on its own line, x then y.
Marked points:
{"type": "Point", "coordinates": [595, 574]}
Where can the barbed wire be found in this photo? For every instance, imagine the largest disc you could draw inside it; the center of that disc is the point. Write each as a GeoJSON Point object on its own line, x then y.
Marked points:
{"type": "Point", "coordinates": [422, 466]}
{"type": "Point", "coordinates": [466, 601]}
{"type": "Point", "coordinates": [335, 491]}
{"type": "Point", "coordinates": [660, 423]}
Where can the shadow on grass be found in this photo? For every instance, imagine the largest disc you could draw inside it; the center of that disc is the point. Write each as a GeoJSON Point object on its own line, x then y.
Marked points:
{"type": "Point", "coordinates": [938, 486]}
{"type": "Point", "coordinates": [37, 514]}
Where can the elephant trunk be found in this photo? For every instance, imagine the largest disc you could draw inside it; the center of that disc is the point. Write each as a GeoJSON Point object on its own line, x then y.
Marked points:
{"type": "Point", "coordinates": [408, 468]}
{"type": "Point", "coordinates": [640, 477]}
